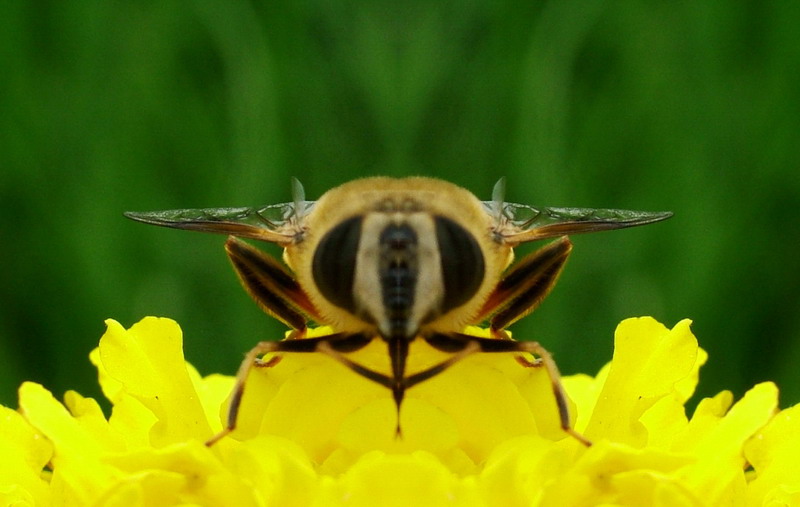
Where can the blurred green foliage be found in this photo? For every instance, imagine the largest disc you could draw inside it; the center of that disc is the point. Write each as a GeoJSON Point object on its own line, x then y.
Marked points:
{"type": "Point", "coordinates": [692, 107]}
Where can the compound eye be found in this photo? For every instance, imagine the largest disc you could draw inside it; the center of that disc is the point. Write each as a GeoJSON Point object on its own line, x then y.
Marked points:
{"type": "Point", "coordinates": [334, 263]}
{"type": "Point", "coordinates": [462, 263]}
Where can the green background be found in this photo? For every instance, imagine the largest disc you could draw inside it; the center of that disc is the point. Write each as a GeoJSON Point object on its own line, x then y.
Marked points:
{"type": "Point", "coordinates": [110, 106]}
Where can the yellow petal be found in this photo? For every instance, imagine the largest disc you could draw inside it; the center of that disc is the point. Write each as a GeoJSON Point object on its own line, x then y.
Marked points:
{"type": "Point", "coordinates": [424, 427]}
{"type": "Point", "coordinates": [459, 415]}
{"type": "Point", "coordinates": [704, 421]}
{"type": "Point", "coordinates": [88, 415]}
{"type": "Point", "coordinates": [213, 391]}
{"type": "Point", "coordinates": [396, 480]}
{"type": "Point", "coordinates": [187, 472]}
{"type": "Point", "coordinates": [485, 432]}
{"type": "Point", "coordinates": [278, 469]}
{"type": "Point", "coordinates": [111, 387]}
{"type": "Point", "coordinates": [717, 474]}
{"type": "Point", "coordinates": [541, 409]}
{"type": "Point", "coordinates": [303, 399]}
{"type": "Point", "coordinates": [132, 421]}
{"type": "Point", "coordinates": [665, 419]}
{"type": "Point", "coordinates": [24, 454]}
{"type": "Point", "coordinates": [648, 487]}
{"type": "Point", "coordinates": [148, 360]}
{"type": "Point", "coordinates": [774, 454]}
{"type": "Point", "coordinates": [487, 405]}
{"type": "Point", "coordinates": [649, 360]}
{"type": "Point", "coordinates": [685, 387]}
{"type": "Point", "coordinates": [584, 390]}
{"type": "Point", "coordinates": [620, 475]}
{"type": "Point", "coordinates": [77, 460]}
{"type": "Point", "coordinates": [518, 470]}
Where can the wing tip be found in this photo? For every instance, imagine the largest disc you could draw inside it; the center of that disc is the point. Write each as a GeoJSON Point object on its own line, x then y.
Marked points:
{"type": "Point", "coordinates": [139, 216]}
{"type": "Point", "coordinates": [657, 216]}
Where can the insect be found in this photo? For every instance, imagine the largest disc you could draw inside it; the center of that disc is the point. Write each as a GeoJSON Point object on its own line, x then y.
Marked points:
{"type": "Point", "coordinates": [398, 260]}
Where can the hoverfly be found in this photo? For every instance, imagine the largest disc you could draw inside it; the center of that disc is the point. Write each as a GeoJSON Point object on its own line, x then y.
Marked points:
{"type": "Point", "coordinates": [398, 260]}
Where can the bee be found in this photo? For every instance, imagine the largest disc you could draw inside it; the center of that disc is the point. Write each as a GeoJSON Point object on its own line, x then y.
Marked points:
{"type": "Point", "coordinates": [398, 260]}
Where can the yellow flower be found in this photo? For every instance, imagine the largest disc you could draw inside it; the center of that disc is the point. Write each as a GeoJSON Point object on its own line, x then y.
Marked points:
{"type": "Point", "coordinates": [484, 433]}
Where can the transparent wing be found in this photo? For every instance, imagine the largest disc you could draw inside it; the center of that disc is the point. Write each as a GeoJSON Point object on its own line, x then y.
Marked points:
{"type": "Point", "coordinates": [276, 223]}
{"type": "Point", "coordinates": [521, 223]}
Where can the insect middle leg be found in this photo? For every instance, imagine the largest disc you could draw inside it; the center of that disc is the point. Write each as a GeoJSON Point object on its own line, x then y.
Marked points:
{"type": "Point", "coordinates": [333, 345]}
{"type": "Point", "coordinates": [464, 345]}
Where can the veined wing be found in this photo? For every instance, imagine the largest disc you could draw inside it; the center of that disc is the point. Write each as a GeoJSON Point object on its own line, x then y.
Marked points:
{"type": "Point", "coordinates": [275, 223]}
{"type": "Point", "coordinates": [519, 223]}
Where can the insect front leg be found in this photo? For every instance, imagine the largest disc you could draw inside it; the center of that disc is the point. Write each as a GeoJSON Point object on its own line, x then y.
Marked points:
{"type": "Point", "coordinates": [525, 286]}
{"type": "Point", "coordinates": [271, 286]}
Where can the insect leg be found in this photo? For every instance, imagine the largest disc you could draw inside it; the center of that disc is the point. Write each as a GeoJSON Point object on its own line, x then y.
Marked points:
{"type": "Point", "coordinates": [332, 345]}
{"type": "Point", "coordinates": [333, 349]}
{"type": "Point", "coordinates": [525, 285]}
{"type": "Point", "coordinates": [271, 285]}
{"type": "Point", "coordinates": [466, 347]}
{"type": "Point", "coordinates": [470, 344]}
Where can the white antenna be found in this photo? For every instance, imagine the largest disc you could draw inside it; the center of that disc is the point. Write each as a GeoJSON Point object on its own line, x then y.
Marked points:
{"type": "Point", "coordinates": [298, 198]}
{"type": "Point", "coordinates": [498, 198]}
